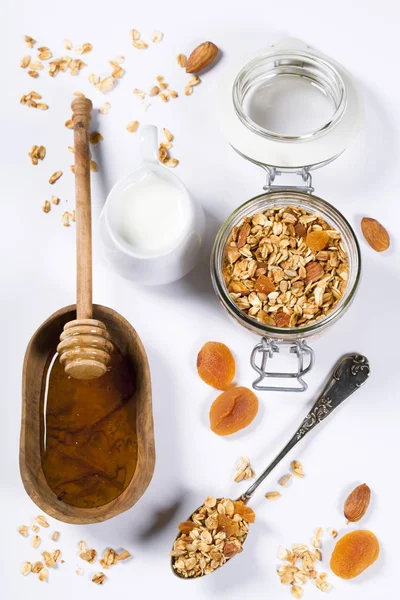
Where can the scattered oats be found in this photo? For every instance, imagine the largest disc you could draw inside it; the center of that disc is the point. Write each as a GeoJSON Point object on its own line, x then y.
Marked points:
{"type": "Point", "coordinates": [140, 93]}
{"type": "Point", "coordinates": [272, 495]}
{"type": "Point", "coordinates": [72, 169]}
{"type": "Point", "coordinates": [35, 528]}
{"type": "Point", "coordinates": [135, 35]}
{"type": "Point", "coordinates": [318, 554]}
{"type": "Point", "coordinates": [99, 578]}
{"type": "Point", "coordinates": [162, 153]}
{"type": "Point", "coordinates": [105, 108]}
{"type": "Point", "coordinates": [71, 149]}
{"type": "Point", "coordinates": [316, 542]}
{"type": "Point", "coordinates": [285, 480]}
{"type": "Point", "coordinates": [56, 534]}
{"type": "Point", "coordinates": [188, 90]}
{"type": "Point", "coordinates": [333, 533]}
{"type": "Point", "coordinates": [36, 539]}
{"type": "Point", "coordinates": [243, 470]}
{"type": "Point", "coordinates": [94, 79]}
{"type": "Point", "coordinates": [79, 95]}
{"type": "Point", "coordinates": [43, 574]}
{"type": "Point", "coordinates": [323, 585]}
{"type": "Point", "coordinates": [89, 555]}
{"type": "Point", "coordinates": [79, 571]}
{"type": "Point", "coordinates": [106, 84]}
{"type": "Point", "coordinates": [122, 555]}
{"type": "Point", "coordinates": [160, 78]}
{"type": "Point", "coordinates": [45, 208]}
{"type": "Point", "coordinates": [42, 106]}
{"type": "Point", "coordinates": [164, 85]}
{"type": "Point", "coordinates": [42, 521]}
{"type": "Point", "coordinates": [48, 559]}
{"type": "Point", "coordinates": [26, 568]}
{"type": "Point", "coordinates": [29, 41]}
{"type": "Point", "coordinates": [55, 177]}
{"type": "Point", "coordinates": [37, 566]}
{"type": "Point", "coordinates": [84, 48]}
{"type": "Point", "coordinates": [163, 97]}
{"type": "Point", "coordinates": [33, 74]}
{"type": "Point", "coordinates": [93, 166]}
{"type": "Point", "coordinates": [95, 137]}
{"type": "Point", "coordinates": [73, 216]}
{"type": "Point", "coordinates": [67, 44]}
{"type": "Point", "coordinates": [109, 557]}
{"type": "Point", "coordinates": [297, 468]}
{"type": "Point", "coordinates": [25, 61]}
{"type": "Point", "coordinates": [23, 530]}
{"type": "Point", "coordinates": [171, 163]}
{"type": "Point", "coordinates": [36, 65]}
{"type": "Point", "coordinates": [132, 126]}
{"type": "Point", "coordinates": [117, 72]}
{"type": "Point", "coordinates": [140, 45]}
{"type": "Point", "coordinates": [168, 135]}
{"type": "Point", "coordinates": [154, 91]}
{"type": "Point", "coordinates": [297, 591]}
{"type": "Point", "coordinates": [44, 53]}
{"type": "Point", "coordinates": [157, 37]}
{"type": "Point", "coordinates": [69, 124]}
{"type": "Point", "coordinates": [119, 60]}
{"type": "Point", "coordinates": [194, 81]}
{"type": "Point", "coordinates": [181, 59]}
{"type": "Point", "coordinates": [83, 546]}
{"type": "Point", "coordinates": [173, 93]}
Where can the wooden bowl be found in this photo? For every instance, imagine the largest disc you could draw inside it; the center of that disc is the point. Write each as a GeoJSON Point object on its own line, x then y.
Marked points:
{"type": "Point", "coordinates": [42, 342]}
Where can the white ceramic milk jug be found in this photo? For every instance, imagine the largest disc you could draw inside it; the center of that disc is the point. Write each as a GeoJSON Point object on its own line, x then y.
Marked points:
{"type": "Point", "coordinates": [150, 227]}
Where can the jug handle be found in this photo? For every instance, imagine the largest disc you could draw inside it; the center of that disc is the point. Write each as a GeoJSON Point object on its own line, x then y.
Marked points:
{"type": "Point", "coordinates": [149, 144]}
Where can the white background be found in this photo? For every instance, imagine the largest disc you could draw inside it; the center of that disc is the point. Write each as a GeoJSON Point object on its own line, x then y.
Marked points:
{"type": "Point", "coordinates": [360, 442]}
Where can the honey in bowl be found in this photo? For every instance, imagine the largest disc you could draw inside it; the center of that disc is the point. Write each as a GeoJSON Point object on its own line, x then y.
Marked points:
{"type": "Point", "coordinates": [88, 433]}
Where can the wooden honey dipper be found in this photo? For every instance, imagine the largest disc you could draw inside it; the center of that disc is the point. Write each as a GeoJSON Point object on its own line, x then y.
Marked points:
{"type": "Point", "coordinates": [85, 347]}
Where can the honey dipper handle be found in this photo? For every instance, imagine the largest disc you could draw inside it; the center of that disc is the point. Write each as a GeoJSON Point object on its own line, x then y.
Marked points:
{"type": "Point", "coordinates": [81, 114]}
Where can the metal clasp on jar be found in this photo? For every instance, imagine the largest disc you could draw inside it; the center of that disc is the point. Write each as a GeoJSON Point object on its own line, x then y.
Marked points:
{"type": "Point", "coordinates": [266, 349]}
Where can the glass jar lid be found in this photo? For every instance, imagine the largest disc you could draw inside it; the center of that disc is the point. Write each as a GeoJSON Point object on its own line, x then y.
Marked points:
{"type": "Point", "coordinates": [290, 107]}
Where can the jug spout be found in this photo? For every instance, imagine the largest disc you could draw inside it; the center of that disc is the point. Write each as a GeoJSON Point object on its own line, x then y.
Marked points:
{"type": "Point", "coordinates": [149, 144]}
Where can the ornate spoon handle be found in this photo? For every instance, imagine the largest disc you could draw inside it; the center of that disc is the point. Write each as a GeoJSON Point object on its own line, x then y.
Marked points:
{"type": "Point", "coordinates": [349, 374]}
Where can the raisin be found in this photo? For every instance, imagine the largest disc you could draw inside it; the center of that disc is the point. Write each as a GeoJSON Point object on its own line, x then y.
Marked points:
{"type": "Point", "coordinates": [216, 365]}
{"type": "Point", "coordinates": [244, 511]}
{"type": "Point", "coordinates": [300, 230]}
{"type": "Point", "coordinates": [264, 285]}
{"type": "Point", "coordinates": [353, 553]}
{"type": "Point", "coordinates": [317, 240]}
{"type": "Point", "coordinates": [186, 526]}
{"type": "Point", "coordinates": [233, 410]}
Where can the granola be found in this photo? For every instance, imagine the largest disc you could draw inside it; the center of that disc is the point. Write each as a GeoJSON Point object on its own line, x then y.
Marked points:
{"type": "Point", "coordinates": [275, 274]}
{"type": "Point", "coordinates": [213, 534]}
{"type": "Point", "coordinates": [300, 567]}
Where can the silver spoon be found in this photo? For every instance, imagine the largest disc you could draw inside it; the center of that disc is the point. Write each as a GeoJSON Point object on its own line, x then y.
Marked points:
{"type": "Point", "coordinates": [348, 375]}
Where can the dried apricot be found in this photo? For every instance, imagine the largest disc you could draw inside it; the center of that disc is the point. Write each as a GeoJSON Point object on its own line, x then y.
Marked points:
{"type": "Point", "coordinates": [227, 525]}
{"type": "Point", "coordinates": [353, 553]}
{"type": "Point", "coordinates": [186, 526]}
{"type": "Point", "coordinates": [244, 511]}
{"type": "Point", "coordinates": [264, 285]}
{"type": "Point", "coordinates": [317, 240]}
{"type": "Point", "coordinates": [216, 365]}
{"type": "Point", "coordinates": [233, 410]}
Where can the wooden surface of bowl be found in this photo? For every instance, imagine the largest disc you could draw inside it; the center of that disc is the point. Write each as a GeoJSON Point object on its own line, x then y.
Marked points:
{"type": "Point", "coordinates": [42, 342]}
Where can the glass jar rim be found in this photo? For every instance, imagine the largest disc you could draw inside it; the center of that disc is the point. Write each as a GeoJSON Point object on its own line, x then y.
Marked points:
{"type": "Point", "coordinates": [250, 322]}
{"type": "Point", "coordinates": [324, 69]}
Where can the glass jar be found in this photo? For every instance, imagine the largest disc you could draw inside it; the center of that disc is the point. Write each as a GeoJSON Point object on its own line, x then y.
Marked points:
{"type": "Point", "coordinates": [295, 337]}
{"type": "Point", "coordinates": [289, 110]}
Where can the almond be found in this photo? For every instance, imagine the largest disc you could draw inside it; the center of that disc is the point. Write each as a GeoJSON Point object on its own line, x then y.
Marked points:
{"type": "Point", "coordinates": [357, 503]}
{"type": "Point", "coordinates": [243, 233]}
{"type": "Point", "coordinates": [375, 234]}
{"type": "Point", "coordinates": [201, 57]}
{"type": "Point", "coordinates": [314, 272]}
